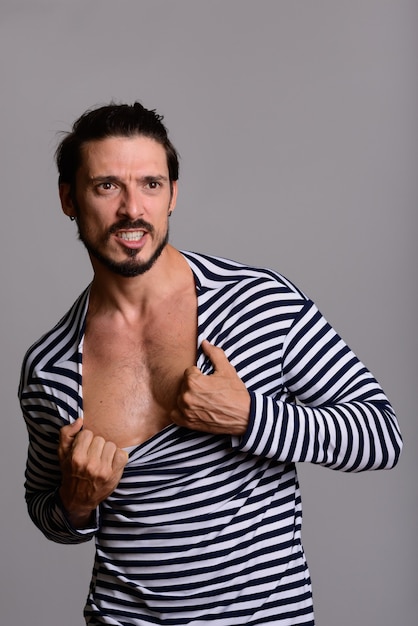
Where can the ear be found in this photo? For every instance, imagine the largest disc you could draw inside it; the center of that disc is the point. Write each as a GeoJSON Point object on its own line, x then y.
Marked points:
{"type": "Point", "coordinates": [173, 200]}
{"type": "Point", "coordinates": [66, 198]}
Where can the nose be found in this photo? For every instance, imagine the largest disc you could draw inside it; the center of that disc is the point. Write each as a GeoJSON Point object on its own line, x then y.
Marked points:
{"type": "Point", "coordinates": [131, 205]}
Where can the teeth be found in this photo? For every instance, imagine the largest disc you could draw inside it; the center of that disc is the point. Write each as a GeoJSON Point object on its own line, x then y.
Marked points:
{"type": "Point", "coordinates": [135, 235]}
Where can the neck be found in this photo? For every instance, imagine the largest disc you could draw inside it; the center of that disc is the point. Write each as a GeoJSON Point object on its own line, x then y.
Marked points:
{"type": "Point", "coordinates": [113, 293]}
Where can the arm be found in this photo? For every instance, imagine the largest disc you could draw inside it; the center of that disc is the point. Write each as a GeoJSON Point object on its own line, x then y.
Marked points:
{"type": "Point", "coordinates": [342, 420]}
{"type": "Point", "coordinates": [91, 470]}
{"type": "Point", "coordinates": [69, 472]}
{"type": "Point", "coordinates": [43, 474]}
{"type": "Point", "coordinates": [330, 410]}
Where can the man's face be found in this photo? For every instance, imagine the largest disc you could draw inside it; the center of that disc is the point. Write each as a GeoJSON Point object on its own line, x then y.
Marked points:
{"type": "Point", "coordinates": [122, 200]}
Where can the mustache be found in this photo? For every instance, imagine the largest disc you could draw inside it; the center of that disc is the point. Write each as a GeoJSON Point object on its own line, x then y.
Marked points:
{"type": "Point", "coordinates": [129, 224]}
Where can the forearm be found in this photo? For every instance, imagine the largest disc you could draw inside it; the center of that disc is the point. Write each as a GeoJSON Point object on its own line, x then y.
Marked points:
{"type": "Point", "coordinates": [80, 517]}
{"type": "Point", "coordinates": [351, 436]}
{"type": "Point", "coordinates": [43, 479]}
{"type": "Point", "coordinates": [330, 410]}
{"type": "Point", "coordinates": [48, 514]}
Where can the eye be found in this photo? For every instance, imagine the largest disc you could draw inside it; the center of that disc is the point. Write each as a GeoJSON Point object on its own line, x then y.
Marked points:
{"type": "Point", "coordinates": [106, 186]}
{"type": "Point", "coordinates": [153, 184]}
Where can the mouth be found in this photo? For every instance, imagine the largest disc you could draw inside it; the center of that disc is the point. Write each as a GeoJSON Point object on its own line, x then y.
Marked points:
{"type": "Point", "coordinates": [131, 235]}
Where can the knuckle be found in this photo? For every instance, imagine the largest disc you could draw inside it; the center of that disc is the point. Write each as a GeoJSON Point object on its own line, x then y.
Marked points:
{"type": "Point", "coordinates": [78, 459]}
{"type": "Point", "coordinates": [102, 474]}
{"type": "Point", "coordinates": [186, 400]}
{"type": "Point", "coordinates": [109, 446]}
{"type": "Point", "coordinates": [99, 441]}
{"type": "Point", "coordinates": [191, 372]}
{"type": "Point", "coordinates": [84, 436]}
{"type": "Point", "coordinates": [121, 458]}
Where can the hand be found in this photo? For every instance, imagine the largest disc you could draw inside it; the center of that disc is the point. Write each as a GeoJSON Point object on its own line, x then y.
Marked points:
{"type": "Point", "coordinates": [218, 403]}
{"type": "Point", "coordinates": [91, 469]}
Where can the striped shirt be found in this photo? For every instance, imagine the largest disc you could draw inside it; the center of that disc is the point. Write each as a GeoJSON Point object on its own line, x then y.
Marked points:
{"type": "Point", "coordinates": [206, 529]}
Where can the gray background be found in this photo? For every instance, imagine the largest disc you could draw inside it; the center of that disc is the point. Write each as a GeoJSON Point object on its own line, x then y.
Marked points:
{"type": "Point", "coordinates": [297, 126]}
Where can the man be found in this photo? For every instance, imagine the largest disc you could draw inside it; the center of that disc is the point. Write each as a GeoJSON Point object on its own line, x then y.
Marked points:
{"type": "Point", "coordinates": [167, 409]}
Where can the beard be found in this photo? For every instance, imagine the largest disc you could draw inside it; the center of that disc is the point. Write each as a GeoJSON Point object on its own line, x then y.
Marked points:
{"type": "Point", "coordinates": [132, 266]}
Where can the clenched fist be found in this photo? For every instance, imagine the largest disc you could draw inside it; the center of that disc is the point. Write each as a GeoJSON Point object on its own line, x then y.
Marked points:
{"type": "Point", "coordinates": [91, 470]}
{"type": "Point", "coordinates": [218, 403]}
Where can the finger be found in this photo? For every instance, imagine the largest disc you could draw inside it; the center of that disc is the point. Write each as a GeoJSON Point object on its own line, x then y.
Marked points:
{"type": "Point", "coordinates": [113, 456]}
{"type": "Point", "coordinates": [93, 446]}
{"type": "Point", "coordinates": [120, 459]}
{"type": "Point", "coordinates": [217, 356]}
{"type": "Point", "coordinates": [189, 373]}
{"type": "Point", "coordinates": [177, 417]}
{"type": "Point", "coordinates": [68, 434]}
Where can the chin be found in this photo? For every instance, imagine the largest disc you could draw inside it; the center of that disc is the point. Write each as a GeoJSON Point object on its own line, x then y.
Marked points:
{"type": "Point", "coordinates": [130, 267]}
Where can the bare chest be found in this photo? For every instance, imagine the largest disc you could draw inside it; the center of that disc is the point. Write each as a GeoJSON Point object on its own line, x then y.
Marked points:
{"type": "Point", "coordinates": [131, 376]}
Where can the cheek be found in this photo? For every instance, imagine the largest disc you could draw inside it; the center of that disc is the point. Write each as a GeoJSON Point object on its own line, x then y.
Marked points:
{"type": "Point", "coordinates": [95, 218]}
{"type": "Point", "coordinates": [91, 226]}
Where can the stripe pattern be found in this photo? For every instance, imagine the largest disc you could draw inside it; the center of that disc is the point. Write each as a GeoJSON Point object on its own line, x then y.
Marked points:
{"type": "Point", "coordinates": [206, 529]}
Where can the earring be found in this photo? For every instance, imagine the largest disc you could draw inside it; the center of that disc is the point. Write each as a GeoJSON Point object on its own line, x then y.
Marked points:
{"type": "Point", "coordinates": [169, 213]}
{"type": "Point", "coordinates": [72, 218]}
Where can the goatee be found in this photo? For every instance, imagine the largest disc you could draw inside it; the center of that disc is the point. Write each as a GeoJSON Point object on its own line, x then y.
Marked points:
{"type": "Point", "coordinates": [132, 266]}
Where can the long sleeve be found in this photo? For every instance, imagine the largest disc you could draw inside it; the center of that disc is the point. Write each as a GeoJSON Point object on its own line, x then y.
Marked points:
{"type": "Point", "coordinates": [334, 414]}
{"type": "Point", "coordinates": [43, 476]}
{"type": "Point", "coordinates": [49, 398]}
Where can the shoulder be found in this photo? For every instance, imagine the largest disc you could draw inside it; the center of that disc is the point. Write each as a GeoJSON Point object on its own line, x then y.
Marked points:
{"type": "Point", "coordinates": [213, 272]}
{"type": "Point", "coordinates": [60, 342]}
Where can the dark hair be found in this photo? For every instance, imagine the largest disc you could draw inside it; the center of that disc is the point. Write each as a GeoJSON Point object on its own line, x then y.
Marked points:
{"type": "Point", "coordinates": [112, 120]}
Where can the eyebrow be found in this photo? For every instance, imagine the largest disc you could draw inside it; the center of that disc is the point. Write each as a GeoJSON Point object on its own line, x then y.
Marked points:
{"type": "Point", "coordinates": [149, 178]}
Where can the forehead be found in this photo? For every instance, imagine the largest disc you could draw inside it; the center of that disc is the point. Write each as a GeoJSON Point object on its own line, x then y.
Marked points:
{"type": "Point", "coordinates": [120, 155]}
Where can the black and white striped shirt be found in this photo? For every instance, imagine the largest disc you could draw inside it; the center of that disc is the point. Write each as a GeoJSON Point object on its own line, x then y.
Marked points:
{"type": "Point", "coordinates": [206, 529]}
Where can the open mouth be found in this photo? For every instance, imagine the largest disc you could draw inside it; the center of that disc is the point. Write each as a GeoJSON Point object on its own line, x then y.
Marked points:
{"type": "Point", "coordinates": [131, 235]}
